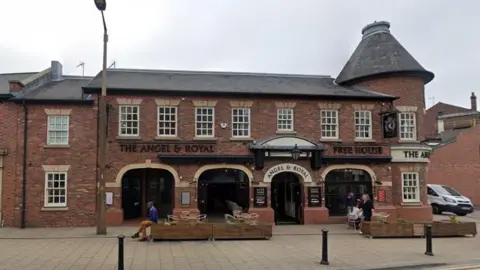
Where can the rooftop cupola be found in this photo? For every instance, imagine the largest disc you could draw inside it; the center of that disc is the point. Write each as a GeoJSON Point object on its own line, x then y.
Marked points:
{"type": "Point", "coordinates": [379, 54]}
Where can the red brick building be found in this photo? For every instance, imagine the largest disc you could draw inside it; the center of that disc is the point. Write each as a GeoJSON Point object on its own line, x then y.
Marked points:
{"type": "Point", "coordinates": [288, 147]}
{"type": "Point", "coordinates": [455, 160]}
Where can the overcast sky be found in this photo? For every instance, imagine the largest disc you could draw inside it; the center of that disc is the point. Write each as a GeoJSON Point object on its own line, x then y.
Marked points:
{"type": "Point", "coordinates": [275, 36]}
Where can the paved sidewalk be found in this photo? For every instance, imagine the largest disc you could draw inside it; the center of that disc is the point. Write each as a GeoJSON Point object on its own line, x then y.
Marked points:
{"type": "Point", "coordinates": [300, 252]}
{"type": "Point", "coordinates": [113, 232]}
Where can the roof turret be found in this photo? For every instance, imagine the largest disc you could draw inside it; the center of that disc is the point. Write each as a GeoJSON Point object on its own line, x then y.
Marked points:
{"type": "Point", "coordinates": [380, 54]}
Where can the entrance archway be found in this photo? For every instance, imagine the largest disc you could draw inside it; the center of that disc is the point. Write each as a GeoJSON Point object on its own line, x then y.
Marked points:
{"type": "Point", "coordinates": [147, 184]}
{"type": "Point", "coordinates": [339, 182]}
{"type": "Point", "coordinates": [286, 198]}
{"type": "Point", "coordinates": [286, 191]}
{"type": "Point", "coordinates": [222, 191]}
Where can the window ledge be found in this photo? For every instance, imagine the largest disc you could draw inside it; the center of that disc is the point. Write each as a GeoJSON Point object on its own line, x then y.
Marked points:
{"type": "Point", "coordinates": [240, 139]}
{"type": "Point", "coordinates": [411, 204]}
{"type": "Point", "coordinates": [293, 132]}
{"type": "Point", "coordinates": [364, 140]}
{"type": "Point", "coordinates": [129, 138]}
{"type": "Point", "coordinates": [205, 138]}
{"type": "Point", "coordinates": [54, 209]}
{"type": "Point", "coordinates": [166, 138]}
{"type": "Point", "coordinates": [56, 146]}
{"type": "Point", "coordinates": [330, 140]}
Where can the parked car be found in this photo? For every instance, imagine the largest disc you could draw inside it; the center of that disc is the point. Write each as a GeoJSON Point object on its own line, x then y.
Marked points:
{"type": "Point", "coordinates": [443, 198]}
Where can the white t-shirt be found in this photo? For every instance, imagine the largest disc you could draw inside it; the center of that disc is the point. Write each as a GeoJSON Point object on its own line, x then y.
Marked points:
{"type": "Point", "coordinates": [357, 212]}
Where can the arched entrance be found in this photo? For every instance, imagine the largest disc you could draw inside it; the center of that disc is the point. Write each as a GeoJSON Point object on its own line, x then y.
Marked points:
{"type": "Point", "coordinates": [286, 198]}
{"type": "Point", "coordinates": [286, 191]}
{"type": "Point", "coordinates": [339, 182]}
{"type": "Point", "coordinates": [141, 185]}
{"type": "Point", "coordinates": [223, 190]}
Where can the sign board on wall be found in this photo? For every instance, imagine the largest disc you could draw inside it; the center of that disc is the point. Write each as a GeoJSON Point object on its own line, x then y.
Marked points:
{"type": "Point", "coordinates": [358, 151]}
{"type": "Point", "coordinates": [410, 154]}
{"type": "Point", "coordinates": [260, 197]}
{"type": "Point", "coordinates": [287, 167]}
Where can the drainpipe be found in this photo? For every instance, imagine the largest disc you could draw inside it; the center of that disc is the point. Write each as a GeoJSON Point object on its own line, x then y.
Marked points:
{"type": "Point", "coordinates": [24, 172]}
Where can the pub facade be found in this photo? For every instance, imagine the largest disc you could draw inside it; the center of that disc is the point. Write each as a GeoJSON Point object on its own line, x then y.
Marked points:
{"type": "Point", "coordinates": [287, 147]}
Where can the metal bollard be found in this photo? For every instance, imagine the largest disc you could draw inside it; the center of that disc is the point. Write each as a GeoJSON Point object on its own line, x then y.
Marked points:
{"type": "Point", "coordinates": [428, 237]}
{"type": "Point", "coordinates": [121, 239]}
{"type": "Point", "coordinates": [324, 247]}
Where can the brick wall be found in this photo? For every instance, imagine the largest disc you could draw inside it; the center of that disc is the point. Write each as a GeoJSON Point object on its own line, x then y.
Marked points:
{"type": "Point", "coordinates": [80, 155]}
{"type": "Point", "coordinates": [411, 92]}
{"type": "Point", "coordinates": [458, 164]}
{"type": "Point", "coordinates": [10, 135]}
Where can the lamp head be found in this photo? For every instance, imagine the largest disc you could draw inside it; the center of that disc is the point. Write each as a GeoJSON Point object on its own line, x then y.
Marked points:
{"type": "Point", "coordinates": [101, 4]}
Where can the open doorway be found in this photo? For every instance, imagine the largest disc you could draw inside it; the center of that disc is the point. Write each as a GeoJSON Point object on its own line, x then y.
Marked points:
{"type": "Point", "coordinates": [286, 198]}
{"type": "Point", "coordinates": [339, 183]}
{"type": "Point", "coordinates": [142, 185]}
{"type": "Point", "coordinates": [222, 191]}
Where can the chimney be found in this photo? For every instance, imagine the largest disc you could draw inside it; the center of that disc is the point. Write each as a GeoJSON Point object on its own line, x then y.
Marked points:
{"type": "Point", "coordinates": [473, 100]}
{"type": "Point", "coordinates": [56, 69]}
{"type": "Point", "coordinates": [376, 27]}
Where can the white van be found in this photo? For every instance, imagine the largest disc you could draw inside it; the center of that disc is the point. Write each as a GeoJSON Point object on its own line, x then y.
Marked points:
{"type": "Point", "coordinates": [446, 199]}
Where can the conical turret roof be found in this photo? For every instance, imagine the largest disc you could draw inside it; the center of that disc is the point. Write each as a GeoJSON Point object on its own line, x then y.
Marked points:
{"type": "Point", "coordinates": [380, 54]}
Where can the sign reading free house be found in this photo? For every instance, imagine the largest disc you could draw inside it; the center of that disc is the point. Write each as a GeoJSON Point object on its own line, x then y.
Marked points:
{"type": "Point", "coordinates": [420, 153]}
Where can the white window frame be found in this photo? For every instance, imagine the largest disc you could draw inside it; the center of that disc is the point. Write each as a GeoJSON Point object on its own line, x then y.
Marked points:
{"type": "Point", "coordinates": [175, 115]}
{"type": "Point", "coordinates": [197, 122]}
{"type": "Point", "coordinates": [248, 123]}
{"type": "Point", "coordinates": [49, 129]}
{"type": "Point", "coordinates": [46, 203]}
{"type": "Point", "coordinates": [120, 121]}
{"type": "Point", "coordinates": [292, 113]}
{"type": "Point", "coordinates": [360, 112]}
{"type": "Point", "coordinates": [414, 132]}
{"type": "Point", "coordinates": [324, 125]}
{"type": "Point", "coordinates": [416, 192]}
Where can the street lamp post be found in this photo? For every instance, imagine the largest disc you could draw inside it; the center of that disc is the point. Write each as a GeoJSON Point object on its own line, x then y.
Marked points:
{"type": "Point", "coordinates": [101, 204]}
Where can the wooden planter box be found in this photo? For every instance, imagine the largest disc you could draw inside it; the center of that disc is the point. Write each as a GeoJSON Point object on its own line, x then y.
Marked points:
{"type": "Point", "coordinates": [181, 232]}
{"type": "Point", "coordinates": [241, 231]}
{"type": "Point", "coordinates": [447, 228]}
{"type": "Point", "coordinates": [379, 229]}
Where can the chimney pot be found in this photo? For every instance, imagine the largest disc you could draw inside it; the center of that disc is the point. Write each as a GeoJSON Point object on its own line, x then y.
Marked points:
{"type": "Point", "coordinates": [376, 27]}
{"type": "Point", "coordinates": [473, 101]}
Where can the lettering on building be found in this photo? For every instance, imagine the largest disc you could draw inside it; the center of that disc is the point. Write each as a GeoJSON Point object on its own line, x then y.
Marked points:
{"type": "Point", "coordinates": [358, 150]}
{"type": "Point", "coordinates": [416, 154]}
{"type": "Point", "coordinates": [288, 167]}
{"type": "Point", "coordinates": [167, 148]}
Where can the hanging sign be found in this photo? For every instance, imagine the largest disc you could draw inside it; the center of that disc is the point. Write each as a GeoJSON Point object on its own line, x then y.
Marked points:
{"type": "Point", "coordinates": [389, 125]}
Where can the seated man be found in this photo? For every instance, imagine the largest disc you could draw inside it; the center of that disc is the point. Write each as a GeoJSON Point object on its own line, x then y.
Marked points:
{"type": "Point", "coordinates": [152, 218]}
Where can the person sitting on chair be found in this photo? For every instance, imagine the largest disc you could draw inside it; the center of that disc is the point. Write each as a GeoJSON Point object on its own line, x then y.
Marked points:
{"type": "Point", "coordinates": [151, 219]}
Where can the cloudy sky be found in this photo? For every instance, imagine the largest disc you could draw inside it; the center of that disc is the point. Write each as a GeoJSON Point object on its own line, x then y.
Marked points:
{"type": "Point", "coordinates": [276, 36]}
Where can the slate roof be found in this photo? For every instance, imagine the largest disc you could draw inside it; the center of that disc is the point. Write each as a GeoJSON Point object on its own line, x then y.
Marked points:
{"type": "Point", "coordinates": [379, 53]}
{"type": "Point", "coordinates": [69, 88]}
{"type": "Point", "coordinates": [5, 78]}
{"type": "Point", "coordinates": [228, 83]}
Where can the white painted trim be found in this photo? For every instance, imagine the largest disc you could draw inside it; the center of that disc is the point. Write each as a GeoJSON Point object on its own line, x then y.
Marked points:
{"type": "Point", "coordinates": [417, 190]}
{"type": "Point", "coordinates": [213, 122]}
{"type": "Point", "coordinates": [205, 168]}
{"type": "Point", "coordinates": [370, 129]}
{"type": "Point", "coordinates": [300, 171]}
{"type": "Point", "coordinates": [49, 118]}
{"type": "Point", "coordinates": [336, 124]}
{"type": "Point", "coordinates": [398, 153]}
{"type": "Point", "coordinates": [120, 120]}
{"type": "Point", "coordinates": [249, 122]}
{"type": "Point", "coordinates": [176, 120]}
{"type": "Point", "coordinates": [415, 131]}
{"type": "Point", "coordinates": [293, 119]}
{"type": "Point", "coordinates": [45, 194]}
{"type": "Point", "coordinates": [118, 180]}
